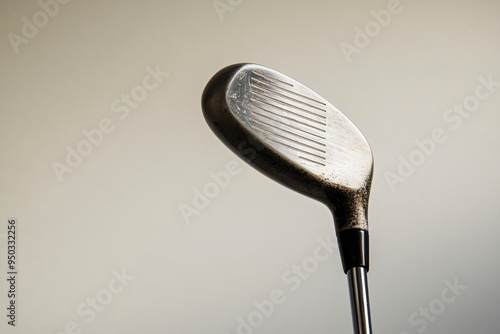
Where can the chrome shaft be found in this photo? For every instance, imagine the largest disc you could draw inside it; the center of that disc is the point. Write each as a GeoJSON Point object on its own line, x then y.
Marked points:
{"type": "Point", "coordinates": [360, 303]}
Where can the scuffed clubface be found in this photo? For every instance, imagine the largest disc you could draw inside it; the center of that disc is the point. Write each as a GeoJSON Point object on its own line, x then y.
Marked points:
{"type": "Point", "coordinates": [300, 125]}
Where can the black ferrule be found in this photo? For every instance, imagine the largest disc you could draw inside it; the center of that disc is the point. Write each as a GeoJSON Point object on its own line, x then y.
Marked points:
{"type": "Point", "coordinates": [353, 245]}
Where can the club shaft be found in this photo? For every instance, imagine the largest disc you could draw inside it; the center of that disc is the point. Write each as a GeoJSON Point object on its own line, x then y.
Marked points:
{"type": "Point", "coordinates": [360, 303]}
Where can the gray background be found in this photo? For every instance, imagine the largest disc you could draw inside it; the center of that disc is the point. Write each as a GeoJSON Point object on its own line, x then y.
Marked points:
{"type": "Point", "coordinates": [120, 208]}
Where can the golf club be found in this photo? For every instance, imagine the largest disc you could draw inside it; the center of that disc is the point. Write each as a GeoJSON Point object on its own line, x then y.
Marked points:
{"type": "Point", "coordinates": [295, 137]}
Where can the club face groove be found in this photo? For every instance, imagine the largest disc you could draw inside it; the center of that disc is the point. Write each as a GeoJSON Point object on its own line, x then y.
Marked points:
{"type": "Point", "coordinates": [296, 137]}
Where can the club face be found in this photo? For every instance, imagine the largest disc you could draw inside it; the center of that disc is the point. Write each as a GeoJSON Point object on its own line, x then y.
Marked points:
{"type": "Point", "coordinates": [294, 136]}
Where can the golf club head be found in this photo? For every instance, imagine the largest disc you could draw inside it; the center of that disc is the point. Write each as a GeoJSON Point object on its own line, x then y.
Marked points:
{"type": "Point", "coordinates": [297, 138]}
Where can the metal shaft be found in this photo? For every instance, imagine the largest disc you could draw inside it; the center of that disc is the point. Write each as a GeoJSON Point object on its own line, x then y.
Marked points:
{"type": "Point", "coordinates": [360, 303]}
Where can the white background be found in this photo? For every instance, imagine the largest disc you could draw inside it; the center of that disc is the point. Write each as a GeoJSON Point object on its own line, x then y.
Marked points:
{"type": "Point", "coordinates": [119, 209]}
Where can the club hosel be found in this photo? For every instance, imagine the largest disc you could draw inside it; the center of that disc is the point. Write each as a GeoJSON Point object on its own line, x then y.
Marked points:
{"type": "Point", "coordinates": [349, 208]}
{"type": "Point", "coordinates": [350, 214]}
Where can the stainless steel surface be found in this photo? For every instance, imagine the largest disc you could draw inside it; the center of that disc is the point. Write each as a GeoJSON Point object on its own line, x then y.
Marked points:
{"type": "Point", "coordinates": [301, 125]}
{"type": "Point", "coordinates": [360, 302]}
